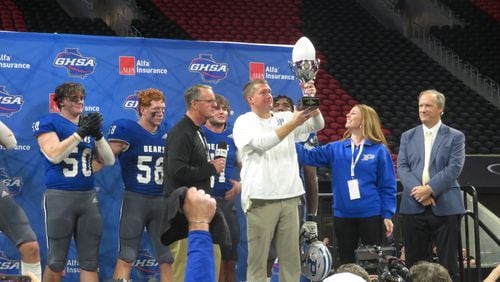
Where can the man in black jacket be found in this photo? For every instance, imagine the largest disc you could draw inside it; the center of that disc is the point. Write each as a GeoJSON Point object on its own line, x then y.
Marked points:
{"type": "Point", "coordinates": [187, 161]}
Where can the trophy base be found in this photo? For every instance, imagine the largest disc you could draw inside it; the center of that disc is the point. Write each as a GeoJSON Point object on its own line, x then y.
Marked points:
{"type": "Point", "coordinates": [309, 102]}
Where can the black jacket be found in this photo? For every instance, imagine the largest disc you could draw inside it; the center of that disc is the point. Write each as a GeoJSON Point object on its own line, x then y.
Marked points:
{"type": "Point", "coordinates": [186, 158]}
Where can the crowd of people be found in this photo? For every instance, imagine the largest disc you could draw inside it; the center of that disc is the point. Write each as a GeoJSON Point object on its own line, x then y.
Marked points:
{"type": "Point", "coordinates": [264, 165]}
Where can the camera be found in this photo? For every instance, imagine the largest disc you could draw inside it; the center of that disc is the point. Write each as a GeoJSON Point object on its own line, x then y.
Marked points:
{"type": "Point", "coordinates": [383, 262]}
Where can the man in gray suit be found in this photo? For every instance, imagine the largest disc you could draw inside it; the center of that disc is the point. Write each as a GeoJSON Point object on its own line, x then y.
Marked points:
{"type": "Point", "coordinates": [431, 157]}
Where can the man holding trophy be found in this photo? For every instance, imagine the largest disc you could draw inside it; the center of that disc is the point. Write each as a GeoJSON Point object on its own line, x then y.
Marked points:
{"type": "Point", "coordinates": [271, 185]}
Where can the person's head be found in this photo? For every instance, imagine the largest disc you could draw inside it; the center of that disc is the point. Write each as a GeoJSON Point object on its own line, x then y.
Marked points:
{"type": "Point", "coordinates": [344, 277]}
{"type": "Point", "coordinates": [282, 103]}
{"type": "Point", "coordinates": [70, 95]}
{"type": "Point", "coordinates": [326, 241]}
{"type": "Point", "coordinates": [221, 112]}
{"type": "Point", "coordinates": [364, 119]}
{"type": "Point", "coordinates": [200, 101]}
{"type": "Point", "coordinates": [354, 269]}
{"type": "Point", "coordinates": [428, 272]}
{"type": "Point", "coordinates": [430, 107]}
{"type": "Point", "coordinates": [258, 95]}
{"type": "Point", "coordinates": [151, 106]}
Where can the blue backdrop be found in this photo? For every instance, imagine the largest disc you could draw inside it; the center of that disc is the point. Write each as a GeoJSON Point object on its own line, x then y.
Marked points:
{"type": "Point", "coordinates": [112, 70]}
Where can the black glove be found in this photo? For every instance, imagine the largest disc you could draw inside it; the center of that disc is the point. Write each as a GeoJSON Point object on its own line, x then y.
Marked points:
{"type": "Point", "coordinates": [89, 125]}
{"type": "Point", "coordinates": [96, 132]}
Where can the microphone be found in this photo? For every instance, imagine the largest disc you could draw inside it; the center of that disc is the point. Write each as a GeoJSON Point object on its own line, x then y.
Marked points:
{"type": "Point", "coordinates": [221, 152]}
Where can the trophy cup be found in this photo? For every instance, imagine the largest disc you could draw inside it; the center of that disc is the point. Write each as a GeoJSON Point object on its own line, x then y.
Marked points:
{"type": "Point", "coordinates": [305, 66]}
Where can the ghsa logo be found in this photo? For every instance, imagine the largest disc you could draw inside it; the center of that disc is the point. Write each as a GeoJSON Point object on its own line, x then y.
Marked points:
{"type": "Point", "coordinates": [13, 183]}
{"type": "Point", "coordinates": [208, 68]}
{"type": "Point", "coordinates": [131, 101]}
{"type": "Point", "coordinates": [9, 266]}
{"type": "Point", "coordinates": [9, 104]}
{"type": "Point", "coordinates": [145, 265]}
{"type": "Point", "coordinates": [75, 64]}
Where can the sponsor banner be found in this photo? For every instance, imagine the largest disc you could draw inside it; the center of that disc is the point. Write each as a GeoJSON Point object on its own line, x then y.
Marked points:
{"type": "Point", "coordinates": [112, 70]}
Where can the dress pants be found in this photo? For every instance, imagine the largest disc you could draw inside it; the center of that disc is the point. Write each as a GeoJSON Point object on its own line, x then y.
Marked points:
{"type": "Point", "coordinates": [421, 230]}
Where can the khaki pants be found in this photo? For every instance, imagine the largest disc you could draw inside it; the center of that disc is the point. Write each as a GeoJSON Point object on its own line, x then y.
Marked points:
{"type": "Point", "coordinates": [264, 218]}
{"type": "Point", "coordinates": [179, 251]}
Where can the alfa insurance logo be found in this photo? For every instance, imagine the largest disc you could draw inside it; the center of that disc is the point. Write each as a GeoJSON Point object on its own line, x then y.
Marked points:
{"type": "Point", "coordinates": [208, 68]}
{"type": "Point", "coordinates": [256, 70]}
{"type": "Point", "coordinates": [129, 65]}
{"type": "Point", "coordinates": [75, 63]}
{"type": "Point", "coordinates": [9, 103]}
{"type": "Point", "coordinates": [126, 65]}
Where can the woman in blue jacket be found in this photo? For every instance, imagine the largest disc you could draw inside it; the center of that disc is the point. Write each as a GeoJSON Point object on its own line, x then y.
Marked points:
{"type": "Point", "coordinates": [363, 181]}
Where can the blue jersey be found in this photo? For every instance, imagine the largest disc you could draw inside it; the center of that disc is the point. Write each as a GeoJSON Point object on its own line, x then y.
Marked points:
{"type": "Point", "coordinates": [142, 161]}
{"type": "Point", "coordinates": [231, 171]}
{"type": "Point", "coordinates": [74, 173]}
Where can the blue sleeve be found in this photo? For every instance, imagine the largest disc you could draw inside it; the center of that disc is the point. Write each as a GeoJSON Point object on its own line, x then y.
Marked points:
{"type": "Point", "coordinates": [200, 261]}
{"type": "Point", "coordinates": [386, 183]}
{"type": "Point", "coordinates": [318, 156]}
{"type": "Point", "coordinates": [44, 125]}
{"type": "Point", "coordinates": [119, 130]}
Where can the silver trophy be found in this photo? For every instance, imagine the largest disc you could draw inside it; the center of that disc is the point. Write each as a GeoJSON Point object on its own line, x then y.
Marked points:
{"type": "Point", "coordinates": [305, 65]}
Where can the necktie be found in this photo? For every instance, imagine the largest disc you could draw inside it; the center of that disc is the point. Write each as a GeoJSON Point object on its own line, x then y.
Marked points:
{"type": "Point", "coordinates": [427, 157]}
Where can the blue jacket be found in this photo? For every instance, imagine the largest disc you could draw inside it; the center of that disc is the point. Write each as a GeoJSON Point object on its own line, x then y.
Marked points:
{"type": "Point", "coordinates": [200, 262]}
{"type": "Point", "coordinates": [374, 172]}
{"type": "Point", "coordinates": [446, 163]}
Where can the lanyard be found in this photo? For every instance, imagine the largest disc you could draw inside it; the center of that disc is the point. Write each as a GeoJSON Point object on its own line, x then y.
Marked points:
{"type": "Point", "coordinates": [354, 162]}
{"type": "Point", "coordinates": [204, 142]}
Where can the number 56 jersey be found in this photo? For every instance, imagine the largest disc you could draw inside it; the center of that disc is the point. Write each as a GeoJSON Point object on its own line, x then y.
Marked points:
{"type": "Point", "coordinates": [142, 159]}
{"type": "Point", "coordinates": [74, 173]}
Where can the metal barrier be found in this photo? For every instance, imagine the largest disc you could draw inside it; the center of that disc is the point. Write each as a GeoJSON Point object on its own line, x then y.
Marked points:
{"type": "Point", "coordinates": [447, 58]}
{"type": "Point", "coordinates": [474, 214]}
{"type": "Point", "coordinates": [477, 224]}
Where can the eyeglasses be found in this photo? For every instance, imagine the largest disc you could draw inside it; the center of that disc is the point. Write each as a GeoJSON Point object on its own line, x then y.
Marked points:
{"type": "Point", "coordinates": [76, 98]}
{"type": "Point", "coordinates": [211, 101]}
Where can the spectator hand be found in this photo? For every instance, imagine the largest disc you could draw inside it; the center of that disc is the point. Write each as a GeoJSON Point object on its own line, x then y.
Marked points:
{"type": "Point", "coordinates": [199, 209]}
{"type": "Point", "coordinates": [89, 125]}
{"type": "Point", "coordinates": [309, 230]}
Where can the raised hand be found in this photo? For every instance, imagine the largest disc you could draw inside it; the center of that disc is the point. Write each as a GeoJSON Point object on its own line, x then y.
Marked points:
{"type": "Point", "coordinates": [89, 125]}
{"type": "Point", "coordinates": [96, 132]}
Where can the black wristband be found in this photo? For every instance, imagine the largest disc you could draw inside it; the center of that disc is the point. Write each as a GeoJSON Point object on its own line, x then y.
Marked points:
{"type": "Point", "coordinates": [311, 217]}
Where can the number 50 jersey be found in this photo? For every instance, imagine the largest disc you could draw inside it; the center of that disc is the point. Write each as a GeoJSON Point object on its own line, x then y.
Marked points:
{"type": "Point", "coordinates": [74, 173]}
{"type": "Point", "coordinates": [142, 160]}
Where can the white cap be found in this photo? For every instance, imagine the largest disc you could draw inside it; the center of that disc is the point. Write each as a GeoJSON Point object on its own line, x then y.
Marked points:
{"type": "Point", "coordinates": [344, 277]}
{"type": "Point", "coordinates": [303, 50]}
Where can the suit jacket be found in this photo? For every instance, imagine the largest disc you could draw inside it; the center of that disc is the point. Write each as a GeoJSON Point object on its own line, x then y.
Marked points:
{"type": "Point", "coordinates": [446, 162]}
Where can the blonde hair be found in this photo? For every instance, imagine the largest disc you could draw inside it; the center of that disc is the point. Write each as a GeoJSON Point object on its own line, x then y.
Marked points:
{"type": "Point", "coordinates": [249, 87]}
{"type": "Point", "coordinates": [372, 129]}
